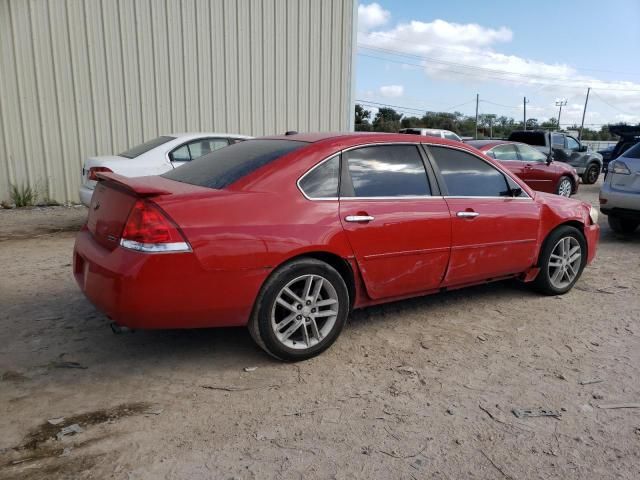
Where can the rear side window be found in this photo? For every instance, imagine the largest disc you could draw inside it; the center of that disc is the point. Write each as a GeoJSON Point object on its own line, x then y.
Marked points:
{"type": "Point", "coordinates": [145, 147]}
{"type": "Point", "coordinates": [386, 171]}
{"type": "Point", "coordinates": [451, 136]}
{"type": "Point", "coordinates": [466, 175]}
{"type": "Point", "coordinates": [633, 152]}
{"type": "Point", "coordinates": [531, 138]}
{"type": "Point", "coordinates": [221, 168]}
{"type": "Point", "coordinates": [557, 140]}
{"type": "Point", "coordinates": [322, 181]}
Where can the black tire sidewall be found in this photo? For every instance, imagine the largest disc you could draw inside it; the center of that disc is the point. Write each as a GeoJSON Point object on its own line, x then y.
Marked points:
{"type": "Point", "coordinates": [585, 178]}
{"type": "Point", "coordinates": [622, 225]}
{"type": "Point", "coordinates": [543, 282]}
{"type": "Point", "coordinates": [269, 294]}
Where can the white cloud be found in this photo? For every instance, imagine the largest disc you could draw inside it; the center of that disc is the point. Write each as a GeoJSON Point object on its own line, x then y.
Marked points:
{"type": "Point", "coordinates": [391, 90]}
{"type": "Point", "coordinates": [371, 16]}
{"type": "Point", "coordinates": [467, 53]}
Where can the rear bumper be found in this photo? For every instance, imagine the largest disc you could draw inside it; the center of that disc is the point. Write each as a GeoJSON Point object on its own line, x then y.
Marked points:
{"type": "Point", "coordinates": [612, 200]}
{"type": "Point", "coordinates": [85, 195]}
{"type": "Point", "coordinates": [166, 290]}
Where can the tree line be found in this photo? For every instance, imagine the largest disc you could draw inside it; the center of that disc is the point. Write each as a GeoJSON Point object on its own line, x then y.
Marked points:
{"type": "Point", "coordinates": [489, 125]}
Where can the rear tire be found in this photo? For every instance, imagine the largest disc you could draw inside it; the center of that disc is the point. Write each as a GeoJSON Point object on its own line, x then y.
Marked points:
{"type": "Point", "coordinates": [300, 311]}
{"type": "Point", "coordinates": [562, 259]}
{"type": "Point", "coordinates": [565, 187]}
{"type": "Point", "coordinates": [622, 225]}
{"type": "Point", "coordinates": [591, 174]}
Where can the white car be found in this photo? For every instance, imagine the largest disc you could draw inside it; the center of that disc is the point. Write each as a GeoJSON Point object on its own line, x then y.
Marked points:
{"type": "Point", "coordinates": [432, 132]}
{"type": "Point", "coordinates": [154, 157]}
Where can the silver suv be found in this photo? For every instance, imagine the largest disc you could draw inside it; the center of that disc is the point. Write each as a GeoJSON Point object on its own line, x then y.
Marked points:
{"type": "Point", "coordinates": [620, 192]}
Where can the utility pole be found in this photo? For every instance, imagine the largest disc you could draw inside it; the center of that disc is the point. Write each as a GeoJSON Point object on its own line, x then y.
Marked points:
{"type": "Point", "coordinates": [524, 118]}
{"type": "Point", "coordinates": [560, 103]}
{"type": "Point", "coordinates": [584, 112]}
{"type": "Point", "coordinates": [477, 102]}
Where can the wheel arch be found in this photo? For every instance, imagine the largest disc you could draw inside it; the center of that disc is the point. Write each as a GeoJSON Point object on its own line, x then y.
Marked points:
{"type": "Point", "coordinates": [578, 225]}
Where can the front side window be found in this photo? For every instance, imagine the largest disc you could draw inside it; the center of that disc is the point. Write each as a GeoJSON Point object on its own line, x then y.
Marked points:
{"type": "Point", "coordinates": [572, 144]}
{"type": "Point", "coordinates": [505, 152]}
{"type": "Point", "coordinates": [386, 171]}
{"type": "Point", "coordinates": [528, 154]}
{"type": "Point", "coordinates": [451, 136]}
{"type": "Point", "coordinates": [323, 180]}
{"type": "Point", "coordinates": [206, 145]}
{"type": "Point", "coordinates": [466, 175]}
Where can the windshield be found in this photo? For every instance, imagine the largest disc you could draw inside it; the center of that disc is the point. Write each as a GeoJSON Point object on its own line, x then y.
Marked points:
{"type": "Point", "coordinates": [221, 168]}
{"type": "Point", "coordinates": [145, 147]}
{"type": "Point", "coordinates": [531, 138]}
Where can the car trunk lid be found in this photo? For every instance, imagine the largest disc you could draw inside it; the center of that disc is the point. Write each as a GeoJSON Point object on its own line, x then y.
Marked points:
{"type": "Point", "coordinates": [115, 196]}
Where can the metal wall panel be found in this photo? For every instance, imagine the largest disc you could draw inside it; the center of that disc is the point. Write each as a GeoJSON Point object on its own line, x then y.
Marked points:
{"type": "Point", "coordinates": [80, 78]}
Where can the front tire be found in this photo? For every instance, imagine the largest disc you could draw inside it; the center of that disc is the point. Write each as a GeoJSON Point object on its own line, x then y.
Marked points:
{"type": "Point", "coordinates": [300, 310]}
{"type": "Point", "coordinates": [591, 174]}
{"type": "Point", "coordinates": [564, 187]}
{"type": "Point", "coordinates": [563, 257]}
{"type": "Point", "coordinates": [622, 225]}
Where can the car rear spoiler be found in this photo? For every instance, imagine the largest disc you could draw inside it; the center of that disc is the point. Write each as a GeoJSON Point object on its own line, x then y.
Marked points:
{"type": "Point", "coordinates": [141, 186]}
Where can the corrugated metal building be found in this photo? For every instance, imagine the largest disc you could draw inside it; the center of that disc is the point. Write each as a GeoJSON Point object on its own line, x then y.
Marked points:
{"type": "Point", "coordinates": [93, 77]}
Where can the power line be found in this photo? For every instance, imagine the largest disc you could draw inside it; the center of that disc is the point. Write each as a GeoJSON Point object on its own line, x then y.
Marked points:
{"type": "Point", "coordinates": [500, 104]}
{"type": "Point", "coordinates": [485, 54]}
{"type": "Point", "coordinates": [612, 106]}
{"type": "Point", "coordinates": [409, 109]}
{"type": "Point", "coordinates": [488, 72]}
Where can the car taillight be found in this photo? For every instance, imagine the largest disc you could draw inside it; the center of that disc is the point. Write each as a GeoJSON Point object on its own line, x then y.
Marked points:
{"type": "Point", "coordinates": [149, 230]}
{"type": "Point", "coordinates": [94, 170]}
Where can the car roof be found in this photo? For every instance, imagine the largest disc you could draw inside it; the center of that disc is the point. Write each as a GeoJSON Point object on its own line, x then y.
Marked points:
{"type": "Point", "coordinates": [190, 135]}
{"type": "Point", "coordinates": [361, 137]}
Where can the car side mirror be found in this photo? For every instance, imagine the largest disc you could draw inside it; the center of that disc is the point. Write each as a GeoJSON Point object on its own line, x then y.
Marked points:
{"type": "Point", "coordinates": [583, 148]}
{"type": "Point", "coordinates": [516, 191]}
{"type": "Point", "coordinates": [549, 158]}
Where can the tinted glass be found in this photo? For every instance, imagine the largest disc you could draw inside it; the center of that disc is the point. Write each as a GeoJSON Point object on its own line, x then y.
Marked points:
{"type": "Point", "coordinates": [322, 181]}
{"type": "Point", "coordinates": [528, 154]}
{"type": "Point", "coordinates": [387, 171]}
{"type": "Point", "coordinates": [180, 154]}
{"type": "Point", "coordinates": [572, 143]}
{"type": "Point", "coordinates": [207, 145]}
{"type": "Point", "coordinates": [145, 147]}
{"type": "Point", "coordinates": [468, 176]}
{"type": "Point", "coordinates": [633, 152]}
{"type": "Point", "coordinates": [557, 140]}
{"type": "Point", "coordinates": [411, 131]}
{"type": "Point", "coordinates": [530, 138]}
{"type": "Point", "coordinates": [505, 152]}
{"type": "Point", "coordinates": [221, 168]}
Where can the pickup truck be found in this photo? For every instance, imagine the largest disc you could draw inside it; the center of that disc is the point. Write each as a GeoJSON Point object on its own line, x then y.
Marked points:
{"type": "Point", "coordinates": [563, 148]}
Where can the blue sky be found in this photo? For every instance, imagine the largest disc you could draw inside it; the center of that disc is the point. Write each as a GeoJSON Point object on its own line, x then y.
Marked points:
{"type": "Point", "coordinates": [432, 55]}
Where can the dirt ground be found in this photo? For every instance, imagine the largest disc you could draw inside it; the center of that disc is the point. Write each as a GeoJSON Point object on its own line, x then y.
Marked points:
{"type": "Point", "coordinates": [417, 389]}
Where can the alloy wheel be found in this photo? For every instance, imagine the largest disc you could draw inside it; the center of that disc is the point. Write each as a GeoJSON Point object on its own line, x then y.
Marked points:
{"type": "Point", "coordinates": [564, 262]}
{"type": "Point", "coordinates": [305, 311]}
{"type": "Point", "coordinates": [564, 189]}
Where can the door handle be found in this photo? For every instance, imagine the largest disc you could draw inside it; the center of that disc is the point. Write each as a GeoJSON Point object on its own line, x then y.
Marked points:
{"type": "Point", "coordinates": [467, 214]}
{"type": "Point", "coordinates": [359, 218]}
{"type": "Point", "coordinates": [528, 167]}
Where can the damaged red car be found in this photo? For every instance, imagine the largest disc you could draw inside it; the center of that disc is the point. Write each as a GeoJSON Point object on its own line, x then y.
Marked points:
{"type": "Point", "coordinates": [287, 235]}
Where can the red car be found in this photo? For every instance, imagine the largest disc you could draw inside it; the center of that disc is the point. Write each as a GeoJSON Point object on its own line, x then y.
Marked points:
{"type": "Point", "coordinates": [534, 167]}
{"type": "Point", "coordinates": [288, 234]}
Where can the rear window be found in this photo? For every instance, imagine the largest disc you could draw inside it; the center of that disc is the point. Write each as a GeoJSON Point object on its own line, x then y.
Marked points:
{"type": "Point", "coordinates": [633, 152]}
{"type": "Point", "coordinates": [145, 147]}
{"type": "Point", "coordinates": [221, 168]}
{"type": "Point", "coordinates": [530, 138]}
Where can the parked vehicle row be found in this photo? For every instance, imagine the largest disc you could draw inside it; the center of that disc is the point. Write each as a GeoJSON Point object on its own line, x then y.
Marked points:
{"type": "Point", "coordinates": [538, 170]}
{"type": "Point", "coordinates": [629, 136]}
{"type": "Point", "coordinates": [564, 148]}
{"type": "Point", "coordinates": [153, 157]}
{"type": "Point", "coordinates": [288, 234]}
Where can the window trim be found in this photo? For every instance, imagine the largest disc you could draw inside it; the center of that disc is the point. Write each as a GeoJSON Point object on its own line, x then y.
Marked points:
{"type": "Point", "coordinates": [431, 178]}
{"type": "Point", "coordinates": [187, 142]}
{"type": "Point", "coordinates": [441, 179]}
{"type": "Point", "coordinates": [318, 165]}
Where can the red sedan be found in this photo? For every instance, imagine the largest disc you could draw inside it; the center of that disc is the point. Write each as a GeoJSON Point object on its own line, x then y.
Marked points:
{"type": "Point", "coordinates": [534, 167]}
{"type": "Point", "coordinates": [288, 234]}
